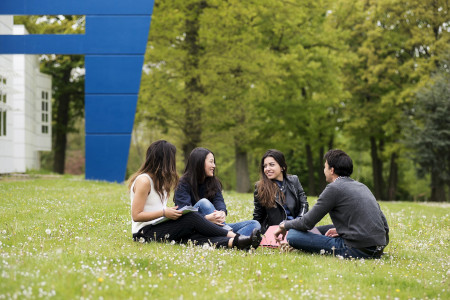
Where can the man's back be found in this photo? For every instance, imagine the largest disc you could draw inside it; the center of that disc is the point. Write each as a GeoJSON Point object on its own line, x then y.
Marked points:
{"type": "Point", "coordinates": [355, 213]}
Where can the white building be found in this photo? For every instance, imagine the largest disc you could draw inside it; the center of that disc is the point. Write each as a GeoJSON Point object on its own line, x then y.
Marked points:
{"type": "Point", "coordinates": [25, 107]}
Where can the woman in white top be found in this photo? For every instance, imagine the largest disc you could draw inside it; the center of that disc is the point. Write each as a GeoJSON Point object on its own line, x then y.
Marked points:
{"type": "Point", "coordinates": [149, 190]}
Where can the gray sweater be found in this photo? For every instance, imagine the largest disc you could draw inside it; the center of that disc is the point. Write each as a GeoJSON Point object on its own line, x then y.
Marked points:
{"type": "Point", "coordinates": [354, 212]}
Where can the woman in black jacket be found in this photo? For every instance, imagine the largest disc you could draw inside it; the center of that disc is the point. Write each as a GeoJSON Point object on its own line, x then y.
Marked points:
{"type": "Point", "coordinates": [278, 196]}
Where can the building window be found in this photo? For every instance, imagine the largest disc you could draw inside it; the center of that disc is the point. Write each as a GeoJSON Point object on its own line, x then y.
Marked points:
{"type": "Point", "coordinates": [44, 114]}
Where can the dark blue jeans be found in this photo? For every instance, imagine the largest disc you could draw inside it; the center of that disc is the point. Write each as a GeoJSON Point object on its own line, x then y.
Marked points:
{"type": "Point", "coordinates": [317, 243]}
{"type": "Point", "coordinates": [205, 207]}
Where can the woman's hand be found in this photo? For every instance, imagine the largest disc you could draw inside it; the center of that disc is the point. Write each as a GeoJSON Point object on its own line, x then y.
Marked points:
{"type": "Point", "coordinates": [172, 213]}
{"type": "Point", "coordinates": [217, 217]}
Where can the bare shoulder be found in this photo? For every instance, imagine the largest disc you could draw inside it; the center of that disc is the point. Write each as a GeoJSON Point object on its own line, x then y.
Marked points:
{"type": "Point", "coordinates": [142, 184]}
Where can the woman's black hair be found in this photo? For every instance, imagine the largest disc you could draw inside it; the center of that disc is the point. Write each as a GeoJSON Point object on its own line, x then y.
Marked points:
{"type": "Point", "coordinates": [194, 174]}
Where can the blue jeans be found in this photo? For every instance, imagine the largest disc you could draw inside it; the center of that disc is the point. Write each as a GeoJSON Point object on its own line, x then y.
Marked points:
{"type": "Point", "coordinates": [317, 243]}
{"type": "Point", "coordinates": [205, 207]}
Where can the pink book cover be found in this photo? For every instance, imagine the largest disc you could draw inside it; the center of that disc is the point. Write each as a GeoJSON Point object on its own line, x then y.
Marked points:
{"type": "Point", "coordinates": [269, 240]}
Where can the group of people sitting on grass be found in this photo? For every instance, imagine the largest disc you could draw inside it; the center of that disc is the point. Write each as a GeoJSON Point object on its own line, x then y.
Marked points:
{"type": "Point", "coordinates": [359, 228]}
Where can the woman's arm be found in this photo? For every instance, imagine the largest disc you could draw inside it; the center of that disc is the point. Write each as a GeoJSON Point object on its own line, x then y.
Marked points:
{"type": "Point", "coordinates": [142, 189]}
{"type": "Point", "coordinates": [182, 196]}
{"type": "Point", "coordinates": [259, 213]}
{"type": "Point", "coordinates": [219, 202]}
{"type": "Point", "coordinates": [301, 195]}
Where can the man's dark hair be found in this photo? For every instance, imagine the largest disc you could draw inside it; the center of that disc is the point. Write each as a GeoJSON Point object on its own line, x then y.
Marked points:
{"type": "Point", "coordinates": [340, 161]}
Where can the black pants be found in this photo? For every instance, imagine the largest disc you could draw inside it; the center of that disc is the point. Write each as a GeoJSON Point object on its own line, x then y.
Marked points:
{"type": "Point", "coordinates": [191, 226]}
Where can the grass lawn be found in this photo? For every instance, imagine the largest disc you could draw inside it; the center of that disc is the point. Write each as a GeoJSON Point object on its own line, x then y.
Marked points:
{"type": "Point", "coordinates": [66, 238]}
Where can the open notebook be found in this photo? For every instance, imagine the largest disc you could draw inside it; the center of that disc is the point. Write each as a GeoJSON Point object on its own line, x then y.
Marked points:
{"type": "Point", "coordinates": [185, 210]}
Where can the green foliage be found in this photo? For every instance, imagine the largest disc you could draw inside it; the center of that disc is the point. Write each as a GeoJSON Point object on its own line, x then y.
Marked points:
{"type": "Point", "coordinates": [240, 77]}
{"type": "Point", "coordinates": [261, 66]}
{"type": "Point", "coordinates": [395, 46]}
{"type": "Point", "coordinates": [67, 73]}
{"type": "Point", "coordinates": [429, 132]}
{"type": "Point", "coordinates": [67, 238]}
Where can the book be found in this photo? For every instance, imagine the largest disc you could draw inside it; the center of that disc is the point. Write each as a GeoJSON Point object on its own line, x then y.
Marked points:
{"type": "Point", "coordinates": [268, 239]}
{"type": "Point", "coordinates": [184, 210]}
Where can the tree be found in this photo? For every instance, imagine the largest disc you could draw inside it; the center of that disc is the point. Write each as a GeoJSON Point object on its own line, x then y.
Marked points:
{"type": "Point", "coordinates": [235, 68]}
{"type": "Point", "coordinates": [226, 67]}
{"type": "Point", "coordinates": [302, 107]}
{"type": "Point", "coordinates": [67, 80]}
{"type": "Point", "coordinates": [429, 132]}
{"type": "Point", "coordinates": [396, 44]}
{"type": "Point", "coordinates": [172, 88]}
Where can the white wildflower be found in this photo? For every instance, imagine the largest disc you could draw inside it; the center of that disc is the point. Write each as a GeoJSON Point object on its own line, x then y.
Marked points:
{"type": "Point", "coordinates": [48, 231]}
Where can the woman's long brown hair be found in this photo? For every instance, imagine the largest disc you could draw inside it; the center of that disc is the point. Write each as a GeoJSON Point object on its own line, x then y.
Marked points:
{"type": "Point", "coordinates": [267, 190]}
{"type": "Point", "coordinates": [160, 164]}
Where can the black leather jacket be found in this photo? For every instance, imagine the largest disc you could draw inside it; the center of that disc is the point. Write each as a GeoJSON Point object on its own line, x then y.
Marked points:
{"type": "Point", "coordinates": [295, 200]}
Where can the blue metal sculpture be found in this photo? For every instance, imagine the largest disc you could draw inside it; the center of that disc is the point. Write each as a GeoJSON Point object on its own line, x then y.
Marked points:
{"type": "Point", "coordinates": [114, 45]}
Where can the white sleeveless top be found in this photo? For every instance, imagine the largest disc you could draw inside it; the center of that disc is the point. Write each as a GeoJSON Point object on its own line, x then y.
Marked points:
{"type": "Point", "coordinates": [153, 203]}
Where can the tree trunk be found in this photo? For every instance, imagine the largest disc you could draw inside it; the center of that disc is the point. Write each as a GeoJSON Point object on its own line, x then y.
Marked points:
{"type": "Point", "coordinates": [61, 127]}
{"type": "Point", "coordinates": [310, 164]}
{"type": "Point", "coordinates": [393, 177]}
{"type": "Point", "coordinates": [322, 180]}
{"type": "Point", "coordinates": [242, 174]}
{"type": "Point", "coordinates": [60, 133]}
{"type": "Point", "coordinates": [437, 187]}
{"type": "Point", "coordinates": [377, 168]}
{"type": "Point", "coordinates": [330, 143]}
{"type": "Point", "coordinates": [192, 130]}
{"type": "Point", "coordinates": [193, 110]}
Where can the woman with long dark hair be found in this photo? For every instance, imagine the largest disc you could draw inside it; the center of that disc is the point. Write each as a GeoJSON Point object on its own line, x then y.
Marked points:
{"type": "Point", "coordinates": [278, 196]}
{"type": "Point", "coordinates": [149, 190]}
{"type": "Point", "coordinates": [199, 187]}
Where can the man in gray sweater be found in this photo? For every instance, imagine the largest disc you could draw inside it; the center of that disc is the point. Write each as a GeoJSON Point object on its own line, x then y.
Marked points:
{"type": "Point", "coordinates": [359, 229]}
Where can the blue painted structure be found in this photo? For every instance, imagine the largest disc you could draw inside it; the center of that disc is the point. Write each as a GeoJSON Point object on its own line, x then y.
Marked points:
{"type": "Point", "coordinates": [114, 45]}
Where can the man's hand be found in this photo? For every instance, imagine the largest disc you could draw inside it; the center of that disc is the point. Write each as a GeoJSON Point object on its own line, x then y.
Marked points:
{"type": "Point", "coordinates": [332, 232]}
{"type": "Point", "coordinates": [280, 231]}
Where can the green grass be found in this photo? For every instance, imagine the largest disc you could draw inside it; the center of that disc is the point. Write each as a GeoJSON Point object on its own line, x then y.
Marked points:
{"type": "Point", "coordinates": [69, 238]}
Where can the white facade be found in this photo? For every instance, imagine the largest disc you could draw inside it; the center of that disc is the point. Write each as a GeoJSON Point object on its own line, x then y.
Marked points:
{"type": "Point", "coordinates": [25, 107]}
